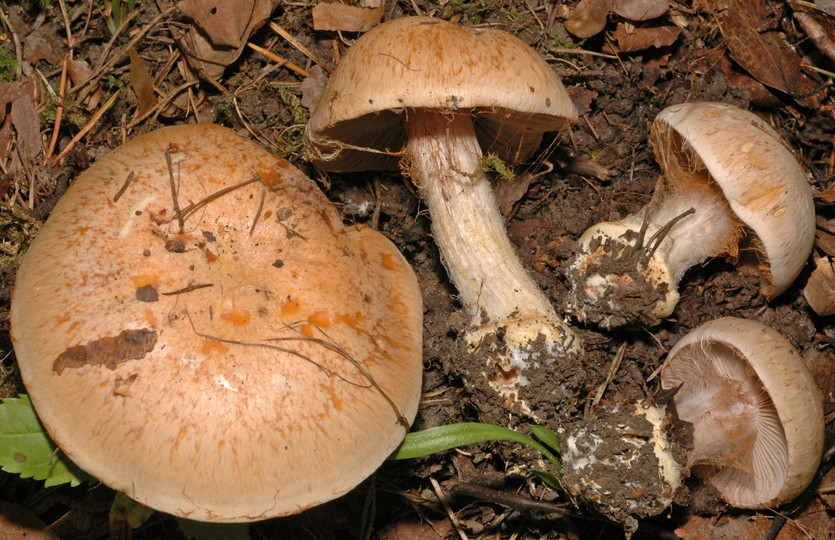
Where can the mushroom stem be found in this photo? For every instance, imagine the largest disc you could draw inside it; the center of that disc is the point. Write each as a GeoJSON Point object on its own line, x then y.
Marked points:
{"type": "Point", "coordinates": [613, 283]}
{"type": "Point", "coordinates": [696, 237]}
{"type": "Point", "coordinates": [446, 164]}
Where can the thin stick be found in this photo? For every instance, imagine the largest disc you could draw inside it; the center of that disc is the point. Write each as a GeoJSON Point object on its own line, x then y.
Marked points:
{"type": "Point", "coordinates": [87, 127]}
{"type": "Point", "coordinates": [18, 49]}
{"type": "Point", "coordinates": [258, 212]}
{"type": "Point", "coordinates": [177, 211]}
{"type": "Point", "coordinates": [443, 500]}
{"type": "Point", "coordinates": [122, 189]}
{"type": "Point", "coordinates": [280, 59]}
{"type": "Point", "coordinates": [297, 44]}
{"type": "Point", "coordinates": [190, 288]}
{"type": "Point", "coordinates": [59, 113]}
{"type": "Point", "coordinates": [157, 109]}
{"type": "Point", "coordinates": [613, 369]}
{"type": "Point", "coordinates": [66, 17]}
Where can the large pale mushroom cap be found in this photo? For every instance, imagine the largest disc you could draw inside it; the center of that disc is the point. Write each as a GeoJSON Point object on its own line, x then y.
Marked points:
{"type": "Point", "coordinates": [421, 62]}
{"type": "Point", "coordinates": [262, 360]}
{"type": "Point", "coordinates": [746, 378]}
{"type": "Point", "coordinates": [757, 172]}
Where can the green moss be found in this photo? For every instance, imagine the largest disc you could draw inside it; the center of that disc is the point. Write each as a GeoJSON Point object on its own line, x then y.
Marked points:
{"type": "Point", "coordinates": [8, 65]}
{"type": "Point", "coordinates": [492, 162]}
{"type": "Point", "coordinates": [291, 137]}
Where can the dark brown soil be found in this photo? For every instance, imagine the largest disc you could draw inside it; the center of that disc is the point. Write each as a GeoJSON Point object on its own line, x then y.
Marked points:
{"type": "Point", "coordinates": [603, 169]}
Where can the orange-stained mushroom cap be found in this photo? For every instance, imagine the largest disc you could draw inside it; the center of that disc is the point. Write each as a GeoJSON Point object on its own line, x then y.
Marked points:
{"type": "Point", "coordinates": [229, 353]}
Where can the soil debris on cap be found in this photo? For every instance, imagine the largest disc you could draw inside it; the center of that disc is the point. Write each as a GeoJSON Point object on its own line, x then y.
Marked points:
{"type": "Point", "coordinates": [108, 351]}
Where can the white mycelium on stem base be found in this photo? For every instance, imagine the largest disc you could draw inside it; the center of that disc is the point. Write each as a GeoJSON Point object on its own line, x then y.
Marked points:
{"type": "Point", "coordinates": [494, 288]}
{"type": "Point", "coordinates": [727, 177]}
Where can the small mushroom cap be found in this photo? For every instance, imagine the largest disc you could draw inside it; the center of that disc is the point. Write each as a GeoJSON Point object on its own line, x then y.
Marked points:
{"type": "Point", "coordinates": [757, 172]}
{"type": "Point", "coordinates": [421, 62]}
{"type": "Point", "coordinates": [260, 360]}
{"type": "Point", "coordinates": [761, 367]}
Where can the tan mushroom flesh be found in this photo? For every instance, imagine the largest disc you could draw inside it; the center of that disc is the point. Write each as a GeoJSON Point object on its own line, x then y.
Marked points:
{"type": "Point", "coordinates": [441, 94]}
{"type": "Point", "coordinates": [729, 185]}
{"type": "Point", "coordinates": [756, 412]}
{"type": "Point", "coordinates": [204, 334]}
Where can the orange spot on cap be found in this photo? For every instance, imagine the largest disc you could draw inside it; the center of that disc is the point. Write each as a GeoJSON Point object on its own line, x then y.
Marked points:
{"type": "Point", "coordinates": [143, 280]}
{"type": "Point", "coordinates": [320, 318]}
{"type": "Point", "coordinates": [210, 345]}
{"type": "Point", "coordinates": [236, 317]}
{"type": "Point", "coordinates": [307, 330]}
{"type": "Point", "coordinates": [388, 262]}
{"type": "Point", "coordinates": [290, 308]}
{"type": "Point", "coordinates": [149, 316]}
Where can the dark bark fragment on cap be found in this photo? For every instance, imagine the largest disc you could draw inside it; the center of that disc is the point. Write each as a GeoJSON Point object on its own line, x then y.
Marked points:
{"type": "Point", "coordinates": [108, 351]}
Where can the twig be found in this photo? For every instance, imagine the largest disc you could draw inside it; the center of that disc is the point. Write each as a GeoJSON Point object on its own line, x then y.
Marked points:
{"type": "Point", "coordinates": [613, 369]}
{"type": "Point", "coordinates": [122, 189]}
{"type": "Point", "coordinates": [510, 500]}
{"type": "Point", "coordinates": [562, 50]}
{"type": "Point", "coordinates": [297, 44]}
{"type": "Point", "coordinates": [258, 212]}
{"type": "Point", "coordinates": [443, 500]}
{"type": "Point", "coordinates": [87, 127]}
{"type": "Point", "coordinates": [18, 50]}
{"type": "Point", "coordinates": [67, 27]}
{"type": "Point", "coordinates": [124, 50]}
{"type": "Point", "coordinates": [177, 211]}
{"type": "Point", "coordinates": [59, 112]}
{"type": "Point", "coordinates": [190, 288]}
{"type": "Point", "coordinates": [157, 109]}
{"type": "Point", "coordinates": [280, 59]}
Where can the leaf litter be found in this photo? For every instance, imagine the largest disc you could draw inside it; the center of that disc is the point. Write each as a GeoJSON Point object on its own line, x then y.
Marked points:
{"type": "Point", "coordinates": [770, 56]}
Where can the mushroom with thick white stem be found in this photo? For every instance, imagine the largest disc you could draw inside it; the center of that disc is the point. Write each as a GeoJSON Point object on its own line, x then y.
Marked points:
{"type": "Point", "coordinates": [730, 185]}
{"type": "Point", "coordinates": [440, 94]}
{"type": "Point", "coordinates": [757, 415]}
{"type": "Point", "coordinates": [198, 329]}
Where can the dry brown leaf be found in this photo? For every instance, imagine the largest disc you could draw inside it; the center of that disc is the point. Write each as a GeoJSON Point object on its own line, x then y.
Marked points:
{"type": "Point", "coordinates": [312, 88]}
{"type": "Point", "coordinates": [42, 44]}
{"type": "Point", "coordinates": [763, 52]}
{"type": "Point", "coordinates": [640, 10]}
{"type": "Point", "coordinates": [644, 37]}
{"type": "Point", "coordinates": [590, 16]}
{"type": "Point", "coordinates": [825, 242]}
{"type": "Point", "coordinates": [345, 18]}
{"type": "Point", "coordinates": [208, 58]}
{"type": "Point", "coordinates": [26, 124]}
{"type": "Point", "coordinates": [416, 530]}
{"type": "Point", "coordinates": [223, 21]}
{"type": "Point", "coordinates": [509, 192]}
{"type": "Point", "coordinates": [80, 72]}
{"type": "Point", "coordinates": [820, 289]}
{"type": "Point", "coordinates": [582, 98]}
{"type": "Point", "coordinates": [140, 80]}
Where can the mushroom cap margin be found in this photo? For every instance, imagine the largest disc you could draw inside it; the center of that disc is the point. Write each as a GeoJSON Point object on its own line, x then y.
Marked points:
{"type": "Point", "coordinates": [758, 173]}
{"type": "Point", "coordinates": [220, 420]}
{"type": "Point", "coordinates": [423, 62]}
{"type": "Point", "coordinates": [790, 387]}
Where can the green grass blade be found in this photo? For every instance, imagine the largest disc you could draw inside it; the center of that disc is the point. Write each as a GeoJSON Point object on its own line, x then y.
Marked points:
{"type": "Point", "coordinates": [546, 436]}
{"type": "Point", "coordinates": [438, 439]}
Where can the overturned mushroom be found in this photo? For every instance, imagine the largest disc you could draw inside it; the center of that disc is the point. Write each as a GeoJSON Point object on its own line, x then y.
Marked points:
{"type": "Point", "coordinates": [198, 330]}
{"type": "Point", "coordinates": [441, 94]}
{"type": "Point", "coordinates": [730, 184]}
{"type": "Point", "coordinates": [757, 414]}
